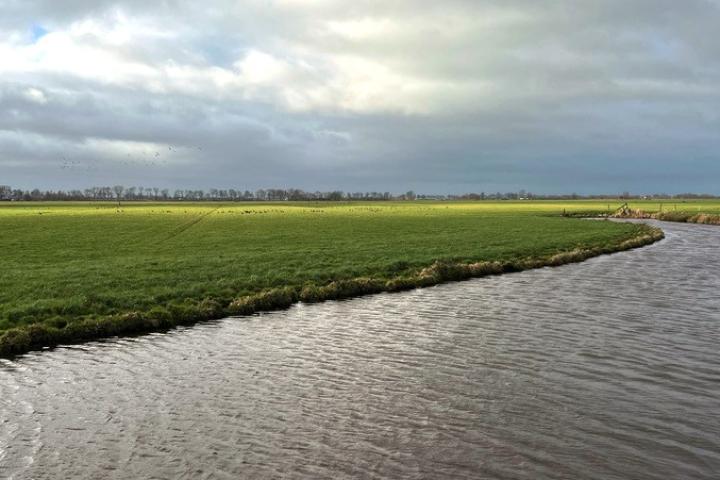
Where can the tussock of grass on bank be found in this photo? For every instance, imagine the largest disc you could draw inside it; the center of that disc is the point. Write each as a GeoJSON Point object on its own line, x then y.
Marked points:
{"type": "Point", "coordinates": [668, 216]}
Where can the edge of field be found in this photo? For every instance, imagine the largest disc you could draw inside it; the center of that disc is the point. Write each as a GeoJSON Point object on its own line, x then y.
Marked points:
{"type": "Point", "coordinates": [678, 217]}
{"type": "Point", "coordinates": [640, 214]}
{"type": "Point", "coordinates": [39, 336]}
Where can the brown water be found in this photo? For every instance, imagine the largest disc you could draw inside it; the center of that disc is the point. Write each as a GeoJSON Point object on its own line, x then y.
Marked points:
{"type": "Point", "coordinates": [601, 370]}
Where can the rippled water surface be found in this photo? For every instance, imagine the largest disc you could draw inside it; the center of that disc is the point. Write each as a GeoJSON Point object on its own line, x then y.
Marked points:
{"type": "Point", "coordinates": [601, 370]}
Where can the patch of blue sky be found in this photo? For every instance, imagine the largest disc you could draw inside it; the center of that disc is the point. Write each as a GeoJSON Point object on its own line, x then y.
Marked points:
{"type": "Point", "coordinates": [37, 31]}
{"type": "Point", "coordinates": [217, 52]}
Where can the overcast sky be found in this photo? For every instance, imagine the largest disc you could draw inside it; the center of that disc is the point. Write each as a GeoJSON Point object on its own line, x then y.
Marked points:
{"type": "Point", "coordinates": [447, 96]}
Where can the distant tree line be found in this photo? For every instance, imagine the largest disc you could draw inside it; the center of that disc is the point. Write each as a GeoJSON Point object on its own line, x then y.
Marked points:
{"type": "Point", "coordinates": [122, 193]}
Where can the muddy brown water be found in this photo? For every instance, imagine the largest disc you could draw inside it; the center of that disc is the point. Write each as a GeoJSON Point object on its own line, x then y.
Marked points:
{"type": "Point", "coordinates": [609, 369]}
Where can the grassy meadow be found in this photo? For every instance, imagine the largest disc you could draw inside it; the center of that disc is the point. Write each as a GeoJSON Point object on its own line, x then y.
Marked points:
{"type": "Point", "coordinates": [66, 265]}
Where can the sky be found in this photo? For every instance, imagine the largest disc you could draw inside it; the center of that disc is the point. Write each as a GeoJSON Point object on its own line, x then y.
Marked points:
{"type": "Point", "coordinates": [550, 96]}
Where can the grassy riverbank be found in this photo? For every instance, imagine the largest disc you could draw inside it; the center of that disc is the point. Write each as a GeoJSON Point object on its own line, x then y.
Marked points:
{"type": "Point", "coordinates": [73, 272]}
{"type": "Point", "coordinates": [669, 215]}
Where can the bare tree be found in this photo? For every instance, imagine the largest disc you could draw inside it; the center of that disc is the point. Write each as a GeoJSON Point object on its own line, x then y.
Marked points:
{"type": "Point", "coordinates": [118, 190]}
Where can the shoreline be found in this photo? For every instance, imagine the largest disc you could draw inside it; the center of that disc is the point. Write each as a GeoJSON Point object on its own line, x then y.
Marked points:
{"type": "Point", "coordinates": [39, 336]}
{"type": "Point", "coordinates": [672, 216]}
{"type": "Point", "coordinates": [639, 214]}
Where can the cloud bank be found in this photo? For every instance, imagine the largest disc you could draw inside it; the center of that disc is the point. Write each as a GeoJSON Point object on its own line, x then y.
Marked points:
{"type": "Point", "coordinates": [455, 96]}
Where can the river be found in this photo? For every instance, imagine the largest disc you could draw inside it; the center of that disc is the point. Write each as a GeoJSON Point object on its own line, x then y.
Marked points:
{"type": "Point", "coordinates": [609, 369]}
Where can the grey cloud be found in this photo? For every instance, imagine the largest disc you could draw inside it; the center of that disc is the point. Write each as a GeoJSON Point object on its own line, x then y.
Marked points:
{"type": "Point", "coordinates": [556, 95]}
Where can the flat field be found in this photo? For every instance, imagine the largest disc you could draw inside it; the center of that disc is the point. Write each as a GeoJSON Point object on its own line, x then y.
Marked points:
{"type": "Point", "coordinates": [61, 262]}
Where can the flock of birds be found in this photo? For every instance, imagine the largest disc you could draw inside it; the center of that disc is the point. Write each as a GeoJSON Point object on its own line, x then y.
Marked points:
{"type": "Point", "coordinates": [145, 158]}
{"type": "Point", "coordinates": [76, 165]}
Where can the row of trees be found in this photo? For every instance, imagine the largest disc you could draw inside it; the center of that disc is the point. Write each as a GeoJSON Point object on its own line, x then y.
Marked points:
{"type": "Point", "coordinates": [119, 192]}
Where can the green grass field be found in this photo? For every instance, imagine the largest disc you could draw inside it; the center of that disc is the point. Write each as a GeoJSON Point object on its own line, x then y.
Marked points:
{"type": "Point", "coordinates": [69, 262]}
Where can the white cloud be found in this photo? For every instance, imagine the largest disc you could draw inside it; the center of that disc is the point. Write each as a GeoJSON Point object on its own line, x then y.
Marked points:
{"type": "Point", "coordinates": [35, 95]}
{"type": "Point", "coordinates": [260, 68]}
{"type": "Point", "coordinates": [136, 151]}
{"type": "Point", "coordinates": [307, 77]}
{"type": "Point", "coordinates": [362, 29]}
{"type": "Point", "coordinates": [64, 53]}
